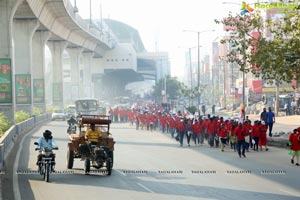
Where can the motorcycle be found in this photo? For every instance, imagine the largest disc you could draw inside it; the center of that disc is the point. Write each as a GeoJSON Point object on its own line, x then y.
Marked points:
{"type": "Point", "coordinates": [72, 125]}
{"type": "Point", "coordinates": [71, 129]}
{"type": "Point", "coordinates": [45, 166]}
{"type": "Point", "coordinates": [99, 156]}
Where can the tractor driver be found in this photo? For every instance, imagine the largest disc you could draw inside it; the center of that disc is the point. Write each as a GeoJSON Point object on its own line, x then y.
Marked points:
{"type": "Point", "coordinates": [92, 135]}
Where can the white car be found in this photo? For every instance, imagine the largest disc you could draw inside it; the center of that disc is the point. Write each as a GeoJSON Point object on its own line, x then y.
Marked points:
{"type": "Point", "coordinates": [58, 114]}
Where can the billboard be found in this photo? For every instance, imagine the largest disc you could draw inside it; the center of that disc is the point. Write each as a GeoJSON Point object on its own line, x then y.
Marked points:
{"type": "Point", "coordinates": [38, 91]}
{"type": "Point", "coordinates": [5, 81]}
{"type": "Point", "coordinates": [23, 89]}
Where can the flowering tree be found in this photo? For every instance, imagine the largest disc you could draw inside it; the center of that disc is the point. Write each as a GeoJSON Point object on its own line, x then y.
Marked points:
{"type": "Point", "coordinates": [267, 48]}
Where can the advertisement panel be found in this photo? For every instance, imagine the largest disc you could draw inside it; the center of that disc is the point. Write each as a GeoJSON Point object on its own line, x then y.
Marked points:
{"type": "Point", "coordinates": [38, 91]}
{"type": "Point", "coordinates": [23, 89]}
{"type": "Point", "coordinates": [5, 81]}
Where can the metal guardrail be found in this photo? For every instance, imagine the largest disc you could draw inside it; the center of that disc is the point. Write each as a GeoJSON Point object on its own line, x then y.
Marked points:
{"type": "Point", "coordinates": [10, 136]}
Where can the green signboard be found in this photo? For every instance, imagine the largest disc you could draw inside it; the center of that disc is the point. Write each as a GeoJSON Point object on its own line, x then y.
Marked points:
{"type": "Point", "coordinates": [23, 89]}
{"type": "Point", "coordinates": [57, 92]}
{"type": "Point", "coordinates": [38, 91]}
{"type": "Point", "coordinates": [5, 81]}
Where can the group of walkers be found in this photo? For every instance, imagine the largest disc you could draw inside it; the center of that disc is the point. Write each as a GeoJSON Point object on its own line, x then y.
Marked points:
{"type": "Point", "coordinates": [239, 135]}
{"type": "Point", "coordinates": [217, 131]}
{"type": "Point", "coordinates": [292, 108]}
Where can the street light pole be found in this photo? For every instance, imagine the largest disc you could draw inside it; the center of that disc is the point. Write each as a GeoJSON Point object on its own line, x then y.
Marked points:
{"type": "Point", "coordinates": [75, 9]}
{"type": "Point", "coordinates": [222, 67]}
{"type": "Point", "coordinates": [191, 101]}
{"type": "Point", "coordinates": [90, 11]}
{"type": "Point", "coordinates": [198, 68]}
{"type": "Point", "coordinates": [191, 71]}
{"type": "Point", "coordinates": [198, 60]}
{"type": "Point", "coordinates": [243, 72]}
{"type": "Point", "coordinates": [243, 100]}
{"type": "Point", "coordinates": [244, 60]}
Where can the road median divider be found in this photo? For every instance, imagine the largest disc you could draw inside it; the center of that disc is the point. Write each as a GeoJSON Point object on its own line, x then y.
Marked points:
{"type": "Point", "coordinates": [9, 138]}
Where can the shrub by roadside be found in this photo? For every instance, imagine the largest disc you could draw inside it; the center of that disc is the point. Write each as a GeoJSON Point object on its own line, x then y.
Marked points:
{"type": "Point", "coordinates": [37, 111]}
{"type": "Point", "coordinates": [4, 124]}
{"type": "Point", "coordinates": [21, 116]}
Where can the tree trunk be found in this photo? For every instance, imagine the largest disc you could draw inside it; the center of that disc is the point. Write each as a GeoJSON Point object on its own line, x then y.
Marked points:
{"type": "Point", "coordinates": [277, 99]}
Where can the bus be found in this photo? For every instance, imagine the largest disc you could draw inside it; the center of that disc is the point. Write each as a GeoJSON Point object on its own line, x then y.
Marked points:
{"type": "Point", "coordinates": [87, 106]}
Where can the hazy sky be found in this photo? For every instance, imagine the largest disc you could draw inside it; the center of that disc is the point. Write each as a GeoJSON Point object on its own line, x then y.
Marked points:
{"type": "Point", "coordinates": [163, 22]}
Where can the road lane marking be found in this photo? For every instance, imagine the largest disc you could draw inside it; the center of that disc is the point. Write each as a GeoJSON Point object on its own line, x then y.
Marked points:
{"type": "Point", "coordinates": [288, 192]}
{"type": "Point", "coordinates": [120, 172]}
{"type": "Point", "coordinates": [145, 187]}
{"type": "Point", "coordinates": [16, 166]}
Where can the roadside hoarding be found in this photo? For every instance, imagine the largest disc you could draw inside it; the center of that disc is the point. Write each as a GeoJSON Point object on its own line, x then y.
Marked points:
{"type": "Point", "coordinates": [5, 81]}
{"type": "Point", "coordinates": [38, 91]}
{"type": "Point", "coordinates": [23, 89]}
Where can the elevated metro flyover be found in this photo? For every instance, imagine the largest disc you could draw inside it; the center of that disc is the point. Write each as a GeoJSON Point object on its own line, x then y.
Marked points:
{"type": "Point", "coordinates": [27, 27]}
{"type": "Point", "coordinates": [97, 52]}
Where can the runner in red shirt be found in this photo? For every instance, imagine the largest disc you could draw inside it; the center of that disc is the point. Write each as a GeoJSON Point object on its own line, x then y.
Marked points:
{"type": "Point", "coordinates": [181, 130]}
{"type": "Point", "coordinates": [196, 132]}
{"type": "Point", "coordinates": [294, 142]}
{"type": "Point", "coordinates": [240, 139]}
{"type": "Point", "coordinates": [172, 125]}
{"type": "Point", "coordinates": [255, 135]}
{"type": "Point", "coordinates": [202, 131]}
{"type": "Point", "coordinates": [163, 123]}
{"type": "Point", "coordinates": [211, 132]}
{"type": "Point", "coordinates": [205, 127]}
{"type": "Point", "coordinates": [189, 130]}
{"type": "Point", "coordinates": [223, 134]}
{"type": "Point", "coordinates": [248, 131]}
{"type": "Point", "coordinates": [263, 135]}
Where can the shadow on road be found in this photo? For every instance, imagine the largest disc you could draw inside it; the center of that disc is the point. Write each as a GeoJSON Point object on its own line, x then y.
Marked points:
{"type": "Point", "coordinates": [133, 183]}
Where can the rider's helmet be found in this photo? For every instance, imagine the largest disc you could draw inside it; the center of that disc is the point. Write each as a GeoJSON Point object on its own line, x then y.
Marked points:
{"type": "Point", "coordinates": [47, 134]}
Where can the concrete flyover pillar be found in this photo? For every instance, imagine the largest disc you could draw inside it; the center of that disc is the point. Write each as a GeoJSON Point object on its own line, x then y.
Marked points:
{"type": "Point", "coordinates": [74, 54]}
{"type": "Point", "coordinates": [38, 68]}
{"type": "Point", "coordinates": [7, 100]}
{"type": "Point", "coordinates": [23, 30]}
{"type": "Point", "coordinates": [87, 75]}
{"type": "Point", "coordinates": [57, 48]}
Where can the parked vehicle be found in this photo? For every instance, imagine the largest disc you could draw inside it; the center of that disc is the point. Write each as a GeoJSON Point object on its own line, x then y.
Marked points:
{"type": "Point", "coordinates": [58, 114]}
{"type": "Point", "coordinates": [45, 165]}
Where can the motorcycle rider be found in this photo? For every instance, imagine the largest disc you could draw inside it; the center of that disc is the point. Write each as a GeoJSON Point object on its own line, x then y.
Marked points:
{"type": "Point", "coordinates": [72, 120]}
{"type": "Point", "coordinates": [46, 141]}
{"type": "Point", "coordinates": [72, 125]}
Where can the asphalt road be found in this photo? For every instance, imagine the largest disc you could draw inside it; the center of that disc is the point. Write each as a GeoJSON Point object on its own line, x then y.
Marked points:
{"type": "Point", "coordinates": [151, 165]}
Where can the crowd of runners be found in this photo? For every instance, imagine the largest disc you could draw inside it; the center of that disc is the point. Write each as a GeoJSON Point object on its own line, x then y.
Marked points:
{"type": "Point", "coordinates": [240, 135]}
